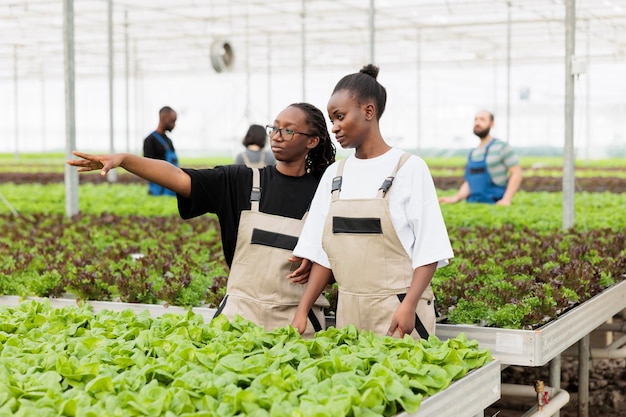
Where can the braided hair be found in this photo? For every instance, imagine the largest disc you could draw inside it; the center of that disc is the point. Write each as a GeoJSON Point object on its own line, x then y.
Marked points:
{"type": "Point", "coordinates": [364, 86]}
{"type": "Point", "coordinates": [320, 157]}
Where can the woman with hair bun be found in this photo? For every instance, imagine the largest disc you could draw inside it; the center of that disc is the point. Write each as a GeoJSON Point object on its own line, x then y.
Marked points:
{"type": "Point", "coordinates": [374, 224]}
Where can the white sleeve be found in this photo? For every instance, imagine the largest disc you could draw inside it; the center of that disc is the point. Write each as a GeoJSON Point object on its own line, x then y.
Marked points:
{"type": "Point", "coordinates": [432, 243]}
{"type": "Point", "coordinates": [310, 242]}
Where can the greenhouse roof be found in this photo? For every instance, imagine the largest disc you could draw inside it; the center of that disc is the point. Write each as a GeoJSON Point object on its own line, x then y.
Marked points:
{"type": "Point", "coordinates": [151, 37]}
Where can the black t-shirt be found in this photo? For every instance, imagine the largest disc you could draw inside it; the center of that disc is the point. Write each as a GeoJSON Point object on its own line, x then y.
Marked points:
{"type": "Point", "coordinates": [153, 148]}
{"type": "Point", "coordinates": [225, 191]}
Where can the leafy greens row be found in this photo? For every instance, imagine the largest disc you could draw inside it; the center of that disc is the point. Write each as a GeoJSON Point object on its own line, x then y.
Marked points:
{"type": "Point", "coordinates": [70, 361]}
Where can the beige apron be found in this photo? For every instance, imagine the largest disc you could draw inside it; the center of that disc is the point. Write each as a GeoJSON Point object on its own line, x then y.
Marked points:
{"type": "Point", "coordinates": [257, 288]}
{"type": "Point", "coordinates": [372, 269]}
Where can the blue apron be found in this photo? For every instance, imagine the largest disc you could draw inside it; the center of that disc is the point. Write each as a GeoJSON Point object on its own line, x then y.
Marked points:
{"type": "Point", "coordinates": [482, 188]}
{"type": "Point", "coordinates": [170, 156]}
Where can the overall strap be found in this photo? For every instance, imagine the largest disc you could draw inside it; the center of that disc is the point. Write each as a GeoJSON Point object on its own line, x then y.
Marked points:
{"type": "Point", "coordinates": [336, 185]}
{"type": "Point", "coordinates": [487, 148]}
{"type": "Point", "coordinates": [491, 142]}
{"type": "Point", "coordinates": [161, 140]}
{"type": "Point", "coordinates": [255, 193]}
{"type": "Point", "coordinates": [384, 188]}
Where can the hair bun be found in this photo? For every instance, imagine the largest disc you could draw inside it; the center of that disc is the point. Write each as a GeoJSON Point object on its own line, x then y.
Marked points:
{"type": "Point", "coordinates": [371, 70]}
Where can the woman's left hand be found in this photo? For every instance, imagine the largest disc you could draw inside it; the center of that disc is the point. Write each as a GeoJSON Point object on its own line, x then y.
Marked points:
{"type": "Point", "coordinates": [301, 274]}
{"type": "Point", "coordinates": [403, 321]}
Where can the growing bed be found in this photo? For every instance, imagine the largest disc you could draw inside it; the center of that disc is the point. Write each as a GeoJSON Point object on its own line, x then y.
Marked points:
{"type": "Point", "coordinates": [83, 382]}
{"type": "Point", "coordinates": [537, 347]}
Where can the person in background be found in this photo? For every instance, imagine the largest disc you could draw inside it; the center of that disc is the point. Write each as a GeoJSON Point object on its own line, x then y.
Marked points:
{"type": "Point", "coordinates": [260, 211]}
{"type": "Point", "coordinates": [255, 156]}
{"type": "Point", "coordinates": [374, 224]}
{"type": "Point", "coordinates": [159, 146]}
{"type": "Point", "coordinates": [493, 173]}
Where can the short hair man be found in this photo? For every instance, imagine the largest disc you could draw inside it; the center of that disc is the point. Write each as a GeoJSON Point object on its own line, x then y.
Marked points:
{"type": "Point", "coordinates": [493, 173]}
{"type": "Point", "coordinates": [158, 145]}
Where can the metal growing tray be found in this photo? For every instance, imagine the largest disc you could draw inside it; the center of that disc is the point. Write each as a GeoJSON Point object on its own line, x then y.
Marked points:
{"type": "Point", "coordinates": [538, 347]}
{"type": "Point", "coordinates": [155, 310]}
{"type": "Point", "coordinates": [466, 397]}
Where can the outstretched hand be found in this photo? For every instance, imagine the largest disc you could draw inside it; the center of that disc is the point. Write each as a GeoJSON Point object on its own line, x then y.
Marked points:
{"type": "Point", "coordinates": [448, 199]}
{"type": "Point", "coordinates": [104, 163]}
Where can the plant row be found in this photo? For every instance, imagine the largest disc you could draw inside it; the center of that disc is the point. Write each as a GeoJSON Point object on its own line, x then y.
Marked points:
{"type": "Point", "coordinates": [530, 183]}
{"type": "Point", "coordinates": [540, 210]}
{"type": "Point", "coordinates": [524, 278]}
{"type": "Point", "coordinates": [134, 259]}
{"type": "Point", "coordinates": [503, 276]}
{"type": "Point", "coordinates": [112, 253]}
{"type": "Point", "coordinates": [70, 361]}
{"type": "Point", "coordinates": [548, 183]}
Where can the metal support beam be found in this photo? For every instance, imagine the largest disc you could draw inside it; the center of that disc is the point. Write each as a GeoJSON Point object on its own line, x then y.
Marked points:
{"type": "Point", "coordinates": [583, 376]}
{"type": "Point", "coordinates": [555, 376]}
{"type": "Point", "coordinates": [508, 72]}
{"type": "Point", "coordinates": [303, 57]}
{"type": "Point", "coordinates": [71, 175]}
{"type": "Point", "coordinates": [372, 26]}
{"type": "Point", "coordinates": [418, 94]}
{"type": "Point", "coordinates": [126, 79]}
{"type": "Point", "coordinates": [269, 78]}
{"type": "Point", "coordinates": [112, 174]}
{"type": "Point", "coordinates": [15, 104]}
{"type": "Point", "coordinates": [568, 148]}
{"type": "Point", "coordinates": [44, 135]}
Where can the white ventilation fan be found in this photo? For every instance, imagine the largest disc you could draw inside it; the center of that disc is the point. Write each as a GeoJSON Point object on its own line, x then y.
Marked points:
{"type": "Point", "coordinates": [222, 56]}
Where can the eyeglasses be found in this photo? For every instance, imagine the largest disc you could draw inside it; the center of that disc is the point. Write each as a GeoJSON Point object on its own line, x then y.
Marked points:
{"type": "Point", "coordinates": [285, 134]}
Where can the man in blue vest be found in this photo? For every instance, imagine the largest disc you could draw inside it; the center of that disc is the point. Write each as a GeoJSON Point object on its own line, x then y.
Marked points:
{"type": "Point", "coordinates": [159, 146]}
{"type": "Point", "coordinates": [493, 173]}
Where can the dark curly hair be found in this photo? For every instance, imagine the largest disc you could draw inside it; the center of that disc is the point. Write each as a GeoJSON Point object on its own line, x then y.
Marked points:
{"type": "Point", "coordinates": [364, 86]}
{"type": "Point", "coordinates": [320, 157]}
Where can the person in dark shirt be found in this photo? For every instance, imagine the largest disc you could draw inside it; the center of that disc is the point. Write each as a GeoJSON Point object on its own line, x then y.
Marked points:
{"type": "Point", "coordinates": [159, 146]}
{"type": "Point", "coordinates": [260, 211]}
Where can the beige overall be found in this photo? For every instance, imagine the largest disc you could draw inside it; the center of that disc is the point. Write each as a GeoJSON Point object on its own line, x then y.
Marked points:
{"type": "Point", "coordinates": [257, 287]}
{"type": "Point", "coordinates": [372, 269]}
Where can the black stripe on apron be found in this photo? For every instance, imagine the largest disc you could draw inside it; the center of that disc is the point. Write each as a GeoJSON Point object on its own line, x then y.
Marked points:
{"type": "Point", "coordinates": [314, 321]}
{"type": "Point", "coordinates": [360, 225]}
{"type": "Point", "coordinates": [221, 307]}
{"type": "Point", "coordinates": [419, 326]}
{"type": "Point", "coordinates": [272, 239]}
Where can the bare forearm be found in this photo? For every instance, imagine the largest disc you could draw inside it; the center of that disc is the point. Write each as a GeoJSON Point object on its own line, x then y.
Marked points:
{"type": "Point", "coordinates": [319, 277]}
{"type": "Point", "coordinates": [422, 277]}
{"type": "Point", "coordinates": [461, 194]}
{"type": "Point", "coordinates": [154, 170]}
{"type": "Point", "coordinates": [513, 185]}
{"type": "Point", "coordinates": [160, 172]}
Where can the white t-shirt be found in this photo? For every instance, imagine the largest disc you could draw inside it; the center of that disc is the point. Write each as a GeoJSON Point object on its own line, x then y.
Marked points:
{"type": "Point", "coordinates": [413, 204]}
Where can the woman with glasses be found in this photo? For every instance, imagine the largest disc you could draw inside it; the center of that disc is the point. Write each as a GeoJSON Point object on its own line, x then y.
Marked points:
{"type": "Point", "coordinates": [374, 223]}
{"type": "Point", "coordinates": [260, 212]}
